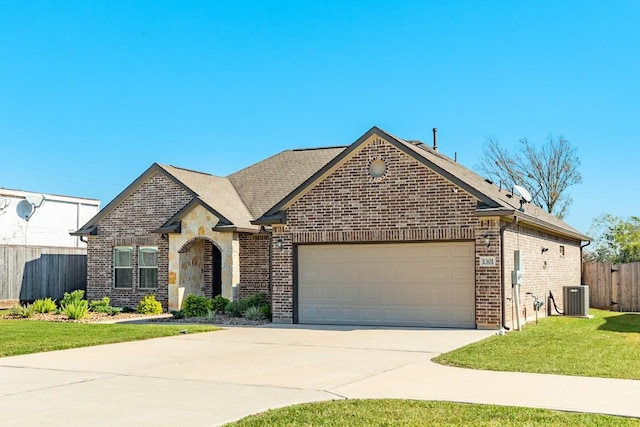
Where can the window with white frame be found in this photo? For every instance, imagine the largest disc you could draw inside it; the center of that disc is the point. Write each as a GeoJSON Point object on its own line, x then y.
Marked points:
{"type": "Point", "coordinates": [123, 267]}
{"type": "Point", "coordinates": [148, 266]}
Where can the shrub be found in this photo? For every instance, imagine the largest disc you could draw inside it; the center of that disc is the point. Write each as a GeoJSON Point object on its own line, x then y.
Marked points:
{"type": "Point", "coordinates": [149, 305]}
{"type": "Point", "coordinates": [111, 311]}
{"type": "Point", "coordinates": [22, 311]}
{"type": "Point", "coordinates": [76, 310]}
{"type": "Point", "coordinates": [219, 303]}
{"type": "Point", "coordinates": [72, 298]}
{"type": "Point", "coordinates": [266, 311]}
{"type": "Point", "coordinates": [195, 306]}
{"type": "Point", "coordinates": [257, 300]}
{"type": "Point", "coordinates": [253, 313]}
{"type": "Point", "coordinates": [236, 308]}
{"type": "Point", "coordinates": [46, 305]}
{"type": "Point", "coordinates": [177, 314]}
{"type": "Point", "coordinates": [100, 304]}
{"type": "Point", "coordinates": [103, 306]}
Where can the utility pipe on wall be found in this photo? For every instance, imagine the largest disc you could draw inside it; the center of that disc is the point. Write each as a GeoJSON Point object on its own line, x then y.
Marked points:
{"type": "Point", "coordinates": [502, 273]}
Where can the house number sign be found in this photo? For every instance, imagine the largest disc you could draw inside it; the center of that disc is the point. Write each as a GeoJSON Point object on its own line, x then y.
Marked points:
{"type": "Point", "coordinates": [487, 261]}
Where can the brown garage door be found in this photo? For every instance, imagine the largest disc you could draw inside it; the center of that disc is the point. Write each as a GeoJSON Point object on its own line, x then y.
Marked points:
{"type": "Point", "coordinates": [399, 284]}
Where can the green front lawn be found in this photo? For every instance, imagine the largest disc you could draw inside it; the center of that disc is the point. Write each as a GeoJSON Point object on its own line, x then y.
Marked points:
{"type": "Point", "coordinates": [32, 336]}
{"type": "Point", "coordinates": [389, 412]}
{"type": "Point", "coordinates": [606, 346]}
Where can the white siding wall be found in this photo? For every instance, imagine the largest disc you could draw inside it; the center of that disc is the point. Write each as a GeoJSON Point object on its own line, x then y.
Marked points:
{"type": "Point", "coordinates": [49, 225]}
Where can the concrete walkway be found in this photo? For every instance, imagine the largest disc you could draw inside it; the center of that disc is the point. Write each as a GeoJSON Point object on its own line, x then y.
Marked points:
{"type": "Point", "coordinates": [213, 378]}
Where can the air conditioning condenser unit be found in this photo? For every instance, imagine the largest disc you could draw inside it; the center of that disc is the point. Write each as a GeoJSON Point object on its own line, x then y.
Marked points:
{"type": "Point", "coordinates": [576, 300]}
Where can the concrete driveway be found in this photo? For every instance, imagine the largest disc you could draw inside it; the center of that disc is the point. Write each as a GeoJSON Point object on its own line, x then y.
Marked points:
{"type": "Point", "coordinates": [213, 378]}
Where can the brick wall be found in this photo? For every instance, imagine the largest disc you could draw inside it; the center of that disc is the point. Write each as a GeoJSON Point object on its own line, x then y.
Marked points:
{"type": "Point", "coordinates": [409, 203]}
{"type": "Point", "coordinates": [488, 280]}
{"type": "Point", "coordinates": [281, 276]}
{"type": "Point", "coordinates": [544, 272]}
{"type": "Point", "coordinates": [408, 197]}
{"type": "Point", "coordinates": [254, 264]}
{"type": "Point", "coordinates": [130, 224]}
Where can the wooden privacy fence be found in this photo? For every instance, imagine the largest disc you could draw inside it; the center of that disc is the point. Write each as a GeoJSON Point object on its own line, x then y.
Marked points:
{"type": "Point", "coordinates": [613, 286]}
{"type": "Point", "coordinates": [28, 272]}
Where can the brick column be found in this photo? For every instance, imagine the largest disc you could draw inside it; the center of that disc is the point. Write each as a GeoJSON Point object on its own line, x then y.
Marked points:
{"type": "Point", "coordinates": [282, 276]}
{"type": "Point", "coordinates": [488, 267]}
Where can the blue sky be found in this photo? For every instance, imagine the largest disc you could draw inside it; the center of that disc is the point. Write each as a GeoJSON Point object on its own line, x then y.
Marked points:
{"type": "Point", "coordinates": [92, 93]}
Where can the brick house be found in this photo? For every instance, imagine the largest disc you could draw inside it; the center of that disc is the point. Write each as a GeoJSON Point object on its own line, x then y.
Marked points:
{"type": "Point", "coordinates": [385, 231]}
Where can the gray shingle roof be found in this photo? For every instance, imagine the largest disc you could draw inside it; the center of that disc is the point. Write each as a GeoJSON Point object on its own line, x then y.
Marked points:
{"type": "Point", "coordinates": [217, 192]}
{"type": "Point", "coordinates": [248, 193]}
{"type": "Point", "coordinates": [492, 200]}
{"type": "Point", "coordinates": [503, 198]}
{"type": "Point", "coordinates": [265, 183]}
{"type": "Point", "coordinates": [264, 188]}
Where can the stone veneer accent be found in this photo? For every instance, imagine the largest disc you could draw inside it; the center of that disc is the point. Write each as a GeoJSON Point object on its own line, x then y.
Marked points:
{"type": "Point", "coordinates": [184, 255]}
{"type": "Point", "coordinates": [409, 203]}
{"type": "Point", "coordinates": [184, 259]}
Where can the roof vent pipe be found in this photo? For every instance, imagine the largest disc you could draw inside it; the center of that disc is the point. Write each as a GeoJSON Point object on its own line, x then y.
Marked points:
{"type": "Point", "coordinates": [435, 139]}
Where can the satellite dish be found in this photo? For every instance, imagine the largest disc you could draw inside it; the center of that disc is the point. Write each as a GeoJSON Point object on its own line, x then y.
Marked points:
{"type": "Point", "coordinates": [522, 192]}
{"type": "Point", "coordinates": [35, 199]}
{"type": "Point", "coordinates": [25, 210]}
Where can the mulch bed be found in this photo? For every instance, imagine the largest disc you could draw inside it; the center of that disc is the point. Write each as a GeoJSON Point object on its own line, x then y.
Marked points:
{"type": "Point", "coordinates": [218, 319]}
{"type": "Point", "coordinates": [90, 318]}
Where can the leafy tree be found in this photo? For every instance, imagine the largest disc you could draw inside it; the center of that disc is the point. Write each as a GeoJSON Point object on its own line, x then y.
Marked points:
{"type": "Point", "coordinates": [546, 171]}
{"type": "Point", "coordinates": [616, 239]}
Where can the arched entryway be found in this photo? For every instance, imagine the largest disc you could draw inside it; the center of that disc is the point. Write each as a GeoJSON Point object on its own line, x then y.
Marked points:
{"type": "Point", "coordinates": [200, 267]}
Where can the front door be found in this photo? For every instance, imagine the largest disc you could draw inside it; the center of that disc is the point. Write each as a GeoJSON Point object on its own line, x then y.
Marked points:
{"type": "Point", "coordinates": [216, 271]}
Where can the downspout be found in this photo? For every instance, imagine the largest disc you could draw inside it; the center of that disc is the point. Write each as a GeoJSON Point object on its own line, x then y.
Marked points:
{"type": "Point", "coordinates": [502, 273]}
{"type": "Point", "coordinates": [271, 268]}
{"type": "Point", "coordinates": [582, 261]}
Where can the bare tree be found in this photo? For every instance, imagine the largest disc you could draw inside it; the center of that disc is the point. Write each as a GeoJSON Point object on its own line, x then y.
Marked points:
{"type": "Point", "coordinates": [546, 172]}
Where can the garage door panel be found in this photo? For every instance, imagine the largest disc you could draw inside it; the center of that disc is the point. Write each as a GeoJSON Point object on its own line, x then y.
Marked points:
{"type": "Point", "coordinates": [414, 284]}
{"type": "Point", "coordinates": [310, 293]}
{"type": "Point", "coordinates": [329, 292]}
{"type": "Point", "coordinates": [372, 315]}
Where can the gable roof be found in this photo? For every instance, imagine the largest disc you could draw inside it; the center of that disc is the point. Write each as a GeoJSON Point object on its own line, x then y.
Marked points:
{"type": "Point", "coordinates": [503, 202]}
{"type": "Point", "coordinates": [493, 201]}
{"type": "Point", "coordinates": [237, 199]}
{"type": "Point", "coordinates": [91, 226]}
{"type": "Point", "coordinates": [265, 183]}
{"type": "Point", "coordinates": [216, 194]}
{"type": "Point", "coordinates": [259, 194]}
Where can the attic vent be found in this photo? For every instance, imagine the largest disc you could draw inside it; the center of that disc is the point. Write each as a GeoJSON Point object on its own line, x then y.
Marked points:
{"type": "Point", "coordinates": [377, 168]}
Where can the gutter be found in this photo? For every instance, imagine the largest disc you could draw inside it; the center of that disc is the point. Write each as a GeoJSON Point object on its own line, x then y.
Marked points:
{"type": "Point", "coordinates": [88, 231]}
{"type": "Point", "coordinates": [233, 228]}
{"type": "Point", "coordinates": [277, 218]}
{"type": "Point", "coordinates": [533, 221]}
{"type": "Point", "coordinates": [581, 261]}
